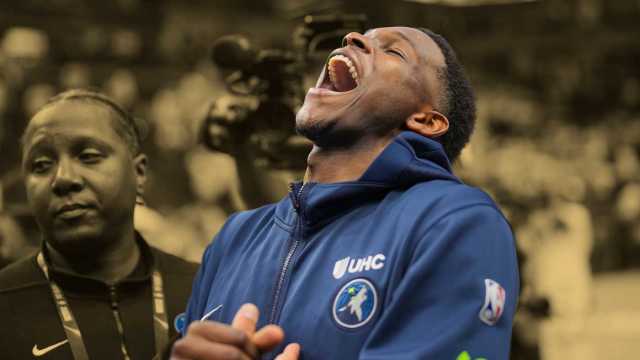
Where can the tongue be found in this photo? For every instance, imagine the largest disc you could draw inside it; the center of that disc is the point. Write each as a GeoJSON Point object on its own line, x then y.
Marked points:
{"type": "Point", "coordinates": [342, 80]}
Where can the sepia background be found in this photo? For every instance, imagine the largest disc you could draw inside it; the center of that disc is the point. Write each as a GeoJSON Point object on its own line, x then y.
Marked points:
{"type": "Point", "coordinates": [557, 142]}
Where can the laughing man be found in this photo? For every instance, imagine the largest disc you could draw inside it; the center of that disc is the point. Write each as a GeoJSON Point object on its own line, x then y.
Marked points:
{"type": "Point", "coordinates": [382, 252]}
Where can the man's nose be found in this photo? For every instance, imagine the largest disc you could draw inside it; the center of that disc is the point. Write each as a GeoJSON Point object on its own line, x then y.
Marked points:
{"type": "Point", "coordinates": [66, 178]}
{"type": "Point", "coordinates": [358, 40]}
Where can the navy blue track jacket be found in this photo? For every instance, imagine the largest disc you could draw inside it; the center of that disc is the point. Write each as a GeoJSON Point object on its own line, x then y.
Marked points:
{"type": "Point", "coordinates": [405, 263]}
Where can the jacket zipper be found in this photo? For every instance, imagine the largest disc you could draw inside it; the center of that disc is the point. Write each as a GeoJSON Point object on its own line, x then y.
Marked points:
{"type": "Point", "coordinates": [292, 249]}
{"type": "Point", "coordinates": [116, 315]}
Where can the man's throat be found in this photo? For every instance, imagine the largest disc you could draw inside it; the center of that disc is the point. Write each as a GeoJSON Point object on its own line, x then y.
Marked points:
{"type": "Point", "coordinates": [339, 165]}
{"type": "Point", "coordinates": [110, 267]}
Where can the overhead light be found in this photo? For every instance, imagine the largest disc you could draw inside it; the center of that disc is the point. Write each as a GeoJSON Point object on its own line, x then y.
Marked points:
{"type": "Point", "coordinates": [24, 43]}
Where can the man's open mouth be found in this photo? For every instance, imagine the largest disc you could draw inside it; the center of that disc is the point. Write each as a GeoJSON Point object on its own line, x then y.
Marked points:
{"type": "Point", "coordinates": [341, 74]}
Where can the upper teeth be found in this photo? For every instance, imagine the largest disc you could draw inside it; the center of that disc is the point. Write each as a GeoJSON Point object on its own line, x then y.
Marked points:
{"type": "Point", "coordinates": [346, 60]}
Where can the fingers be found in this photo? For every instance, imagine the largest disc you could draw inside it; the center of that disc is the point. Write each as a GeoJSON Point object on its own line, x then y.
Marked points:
{"type": "Point", "coordinates": [218, 332]}
{"type": "Point", "coordinates": [213, 340]}
{"type": "Point", "coordinates": [246, 319]}
{"type": "Point", "coordinates": [202, 349]}
{"type": "Point", "coordinates": [291, 352]}
{"type": "Point", "coordinates": [268, 337]}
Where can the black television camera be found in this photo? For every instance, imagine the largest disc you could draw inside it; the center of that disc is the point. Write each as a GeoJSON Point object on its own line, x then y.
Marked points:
{"type": "Point", "coordinates": [271, 81]}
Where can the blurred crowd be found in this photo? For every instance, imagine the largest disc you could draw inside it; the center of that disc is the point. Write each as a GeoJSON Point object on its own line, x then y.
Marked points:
{"type": "Point", "coordinates": [571, 189]}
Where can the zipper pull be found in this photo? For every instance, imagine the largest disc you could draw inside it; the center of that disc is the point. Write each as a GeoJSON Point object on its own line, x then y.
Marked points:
{"type": "Point", "coordinates": [294, 196]}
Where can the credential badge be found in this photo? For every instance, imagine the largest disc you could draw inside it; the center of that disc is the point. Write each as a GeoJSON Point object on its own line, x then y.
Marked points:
{"type": "Point", "coordinates": [355, 303]}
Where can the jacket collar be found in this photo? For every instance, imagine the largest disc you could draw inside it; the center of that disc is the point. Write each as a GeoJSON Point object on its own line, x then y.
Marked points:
{"type": "Point", "coordinates": [409, 159]}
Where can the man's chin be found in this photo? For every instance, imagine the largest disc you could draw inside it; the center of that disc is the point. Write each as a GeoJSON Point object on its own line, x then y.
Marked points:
{"type": "Point", "coordinates": [313, 127]}
{"type": "Point", "coordinates": [310, 131]}
{"type": "Point", "coordinates": [78, 241]}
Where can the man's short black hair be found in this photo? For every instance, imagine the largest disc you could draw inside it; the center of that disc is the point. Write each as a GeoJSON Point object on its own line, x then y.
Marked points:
{"type": "Point", "coordinates": [458, 104]}
{"type": "Point", "coordinates": [131, 129]}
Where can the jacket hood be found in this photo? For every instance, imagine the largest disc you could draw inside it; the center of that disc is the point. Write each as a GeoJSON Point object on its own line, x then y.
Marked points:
{"type": "Point", "coordinates": [409, 159]}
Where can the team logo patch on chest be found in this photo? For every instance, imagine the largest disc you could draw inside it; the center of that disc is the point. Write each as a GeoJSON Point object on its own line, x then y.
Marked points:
{"type": "Point", "coordinates": [355, 265]}
{"type": "Point", "coordinates": [355, 303]}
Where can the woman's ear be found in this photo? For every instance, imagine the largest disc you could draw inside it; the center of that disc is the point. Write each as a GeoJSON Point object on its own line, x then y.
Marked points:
{"type": "Point", "coordinates": [431, 124]}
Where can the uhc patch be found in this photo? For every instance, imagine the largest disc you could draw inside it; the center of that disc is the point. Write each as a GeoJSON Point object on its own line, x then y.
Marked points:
{"type": "Point", "coordinates": [355, 265]}
{"type": "Point", "coordinates": [494, 299]}
{"type": "Point", "coordinates": [355, 303]}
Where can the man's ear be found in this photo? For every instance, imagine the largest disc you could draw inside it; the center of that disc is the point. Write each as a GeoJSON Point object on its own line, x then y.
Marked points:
{"type": "Point", "coordinates": [431, 123]}
{"type": "Point", "coordinates": [140, 163]}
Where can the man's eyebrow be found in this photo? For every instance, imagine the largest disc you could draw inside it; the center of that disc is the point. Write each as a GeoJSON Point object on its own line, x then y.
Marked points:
{"type": "Point", "coordinates": [403, 36]}
{"type": "Point", "coordinates": [395, 32]}
{"type": "Point", "coordinates": [399, 34]}
{"type": "Point", "coordinates": [39, 141]}
{"type": "Point", "coordinates": [80, 140]}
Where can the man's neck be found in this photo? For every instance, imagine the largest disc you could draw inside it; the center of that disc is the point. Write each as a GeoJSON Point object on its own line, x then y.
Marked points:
{"type": "Point", "coordinates": [329, 165]}
{"type": "Point", "coordinates": [110, 266]}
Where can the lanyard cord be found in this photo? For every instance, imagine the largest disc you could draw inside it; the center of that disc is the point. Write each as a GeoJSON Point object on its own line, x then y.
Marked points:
{"type": "Point", "coordinates": [72, 330]}
{"type": "Point", "coordinates": [160, 324]}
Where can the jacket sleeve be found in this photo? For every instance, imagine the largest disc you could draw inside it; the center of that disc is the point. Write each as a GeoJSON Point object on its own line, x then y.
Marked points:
{"type": "Point", "coordinates": [201, 287]}
{"type": "Point", "coordinates": [433, 312]}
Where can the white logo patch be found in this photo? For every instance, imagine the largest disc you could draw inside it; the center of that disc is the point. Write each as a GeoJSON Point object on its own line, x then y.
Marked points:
{"type": "Point", "coordinates": [371, 262]}
{"type": "Point", "coordinates": [39, 352]}
{"type": "Point", "coordinates": [494, 299]}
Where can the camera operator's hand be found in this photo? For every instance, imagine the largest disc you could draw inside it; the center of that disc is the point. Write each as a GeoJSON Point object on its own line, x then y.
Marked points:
{"type": "Point", "coordinates": [227, 126]}
{"type": "Point", "coordinates": [210, 340]}
{"type": "Point", "coordinates": [230, 129]}
{"type": "Point", "coordinates": [235, 108]}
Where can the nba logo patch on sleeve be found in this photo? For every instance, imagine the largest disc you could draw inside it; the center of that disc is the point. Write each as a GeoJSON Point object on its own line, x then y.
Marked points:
{"type": "Point", "coordinates": [494, 300]}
